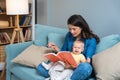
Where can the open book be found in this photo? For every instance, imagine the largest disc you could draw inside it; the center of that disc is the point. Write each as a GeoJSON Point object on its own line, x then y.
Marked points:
{"type": "Point", "coordinates": [64, 56]}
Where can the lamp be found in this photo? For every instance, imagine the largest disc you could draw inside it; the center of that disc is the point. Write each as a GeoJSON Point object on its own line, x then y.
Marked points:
{"type": "Point", "coordinates": [17, 7]}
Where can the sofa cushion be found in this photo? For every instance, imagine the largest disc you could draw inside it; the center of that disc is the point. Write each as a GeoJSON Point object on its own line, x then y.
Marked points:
{"type": "Point", "coordinates": [42, 31]}
{"type": "Point", "coordinates": [32, 56]}
{"type": "Point", "coordinates": [57, 38]}
{"type": "Point", "coordinates": [107, 63]}
{"type": "Point", "coordinates": [26, 73]}
{"type": "Point", "coordinates": [107, 42]}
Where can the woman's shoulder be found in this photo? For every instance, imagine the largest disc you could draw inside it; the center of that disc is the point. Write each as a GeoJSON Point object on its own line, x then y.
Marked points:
{"type": "Point", "coordinates": [91, 40]}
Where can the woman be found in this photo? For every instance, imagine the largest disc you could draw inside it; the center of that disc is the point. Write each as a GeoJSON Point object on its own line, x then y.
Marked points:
{"type": "Point", "coordinates": [78, 29]}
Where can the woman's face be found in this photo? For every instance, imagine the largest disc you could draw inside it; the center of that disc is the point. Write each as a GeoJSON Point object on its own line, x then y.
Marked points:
{"type": "Point", "coordinates": [75, 30]}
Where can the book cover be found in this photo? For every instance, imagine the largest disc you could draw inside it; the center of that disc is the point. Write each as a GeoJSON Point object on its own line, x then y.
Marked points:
{"type": "Point", "coordinates": [1, 10]}
{"type": "Point", "coordinates": [22, 20]}
{"type": "Point", "coordinates": [64, 56]}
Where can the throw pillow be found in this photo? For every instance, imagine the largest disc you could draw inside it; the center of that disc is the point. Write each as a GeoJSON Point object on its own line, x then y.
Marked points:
{"type": "Point", "coordinates": [57, 38]}
{"type": "Point", "coordinates": [107, 42]}
{"type": "Point", "coordinates": [32, 56]}
{"type": "Point", "coordinates": [106, 64]}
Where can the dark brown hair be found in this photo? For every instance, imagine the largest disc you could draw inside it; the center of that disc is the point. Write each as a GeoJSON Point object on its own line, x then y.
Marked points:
{"type": "Point", "coordinates": [78, 20]}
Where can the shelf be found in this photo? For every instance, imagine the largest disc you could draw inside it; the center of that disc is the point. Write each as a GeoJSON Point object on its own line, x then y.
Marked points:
{"type": "Point", "coordinates": [11, 19]}
{"type": "Point", "coordinates": [26, 26]}
{"type": "Point", "coordinates": [4, 44]}
{"type": "Point", "coordinates": [24, 14]}
{"type": "Point", "coordinates": [6, 27]}
{"type": "Point", "coordinates": [15, 27]}
{"type": "Point", "coordinates": [2, 12]}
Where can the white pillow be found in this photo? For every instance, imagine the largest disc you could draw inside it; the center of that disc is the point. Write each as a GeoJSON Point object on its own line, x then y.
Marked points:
{"type": "Point", "coordinates": [106, 64]}
{"type": "Point", "coordinates": [32, 56]}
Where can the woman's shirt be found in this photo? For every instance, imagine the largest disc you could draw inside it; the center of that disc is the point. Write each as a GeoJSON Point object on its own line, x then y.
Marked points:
{"type": "Point", "coordinates": [89, 45]}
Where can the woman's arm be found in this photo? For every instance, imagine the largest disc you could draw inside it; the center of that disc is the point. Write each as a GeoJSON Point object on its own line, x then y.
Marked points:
{"type": "Point", "coordinates": [68, 42]}
{"type": "Point", "coordinates": [64, 47]}
{"type": "Point", "coordinates": [90, 49]}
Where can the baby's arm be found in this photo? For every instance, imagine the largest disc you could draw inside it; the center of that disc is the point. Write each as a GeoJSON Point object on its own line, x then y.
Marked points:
{"type": "Point", "coordinates": [83, 59]}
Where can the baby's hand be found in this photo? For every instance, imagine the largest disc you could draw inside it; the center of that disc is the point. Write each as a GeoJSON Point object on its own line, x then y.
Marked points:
{"type": "Point", "coordinates": [88, 60]}
{"type": "Point", "coordinates": [68, 66]}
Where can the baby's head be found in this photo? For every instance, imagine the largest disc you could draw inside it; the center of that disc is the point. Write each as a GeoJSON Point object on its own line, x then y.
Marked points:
{"type": "Point", "coordinates": [78, 46]}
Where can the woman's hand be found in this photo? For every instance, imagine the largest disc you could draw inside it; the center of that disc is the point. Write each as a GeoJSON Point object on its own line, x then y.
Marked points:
{"type": "Point", "coordinates": [53, 46]}
{"type": "Point", "coordinates": [67, 66]}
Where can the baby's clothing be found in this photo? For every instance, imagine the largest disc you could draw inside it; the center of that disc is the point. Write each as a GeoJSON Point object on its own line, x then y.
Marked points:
{"type": "Point", "coordinates": [78, 57]}
{"type": "Point", "coordinates": [47, 66]}
{"type": "Point", "coordinates": [58, 72]}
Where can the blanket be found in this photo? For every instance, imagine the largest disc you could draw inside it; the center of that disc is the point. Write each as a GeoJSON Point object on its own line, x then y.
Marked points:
{"type": "Point", "coordinates": [58, 72]}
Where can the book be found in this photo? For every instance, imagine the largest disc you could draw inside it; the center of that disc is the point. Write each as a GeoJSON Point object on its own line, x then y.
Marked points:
{"type": "Point", "coordinates": [23, 20]}
{"type": "Point", "coordinates": [64, 56]}
{"type": "Point", "coordinates": [30, 5]}
{"type": "Point", "coordinates": [28, 34]}
{"type": "Point", "coordinates": [1, 10]}
{"type": "Point", "coordinates": [26, 22]}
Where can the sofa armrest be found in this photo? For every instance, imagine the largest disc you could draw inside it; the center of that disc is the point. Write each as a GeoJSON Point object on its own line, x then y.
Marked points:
{"type": "Point", "coordinates": [12, 50]}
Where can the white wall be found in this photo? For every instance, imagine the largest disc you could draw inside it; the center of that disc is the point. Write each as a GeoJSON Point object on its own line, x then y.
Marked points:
{"type": "Point", "coordinates": [33, 16]}
{"type": "Point", "coordinates": [103, 16]}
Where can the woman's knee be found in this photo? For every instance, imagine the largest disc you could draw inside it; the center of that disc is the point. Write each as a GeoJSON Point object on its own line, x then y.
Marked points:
{"type": "Point", "coordinates": [82, 72]}
{"type": "Point", "coordinates": [42, 71]}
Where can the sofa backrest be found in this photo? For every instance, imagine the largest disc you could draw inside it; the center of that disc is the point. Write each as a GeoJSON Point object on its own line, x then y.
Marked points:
{"type": "Point", "coordinates": [42, 32]}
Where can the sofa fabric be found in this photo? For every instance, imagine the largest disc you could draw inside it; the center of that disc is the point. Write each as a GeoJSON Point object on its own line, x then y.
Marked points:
{"type": "Point", "coordinates": [20, 72]}
{"type": "Point", "coordinates": [57, 38]}
{"type": "Point", "coordinates": [43, 34]}
{"type": "Point", "coordinates": [107, 42]}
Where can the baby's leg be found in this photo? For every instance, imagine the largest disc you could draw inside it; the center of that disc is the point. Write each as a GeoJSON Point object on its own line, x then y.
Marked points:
{"type": "Point", "coordinates": [65, 75]}
{"type": "Point", "coordinates": [55, 70]}
{"type": "Point", "coordinates": [57, 66]}
{"type": "Point", "coordinates": [47, 66]}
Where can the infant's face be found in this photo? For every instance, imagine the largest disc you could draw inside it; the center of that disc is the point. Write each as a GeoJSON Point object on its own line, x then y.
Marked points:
{"type": "Point", "coordinates": [78, 48]}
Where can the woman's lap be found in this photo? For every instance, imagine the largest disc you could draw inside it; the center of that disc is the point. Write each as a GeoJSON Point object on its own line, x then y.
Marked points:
{"type": "Point", "coordinates": [82, 72]}
{"type": "Point", "coordinates": [42, 71]}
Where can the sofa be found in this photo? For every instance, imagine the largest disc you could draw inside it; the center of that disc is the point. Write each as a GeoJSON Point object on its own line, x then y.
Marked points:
{"type": "Point", "coordinates": [15, 71]}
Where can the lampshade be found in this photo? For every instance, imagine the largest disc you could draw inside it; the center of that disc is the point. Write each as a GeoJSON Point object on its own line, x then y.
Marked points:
{"type": "Point", "coordinates": [17, 7]}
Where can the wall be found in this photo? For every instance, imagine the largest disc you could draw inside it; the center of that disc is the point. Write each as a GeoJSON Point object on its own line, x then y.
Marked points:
{"type": "Point", "coordinates": [103, 16]}
{"type": "Point", "coordinates": [33, 16]}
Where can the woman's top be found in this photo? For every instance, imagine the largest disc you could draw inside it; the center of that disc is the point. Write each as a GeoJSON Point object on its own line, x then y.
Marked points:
{"type": "Point", "coordinates": [89, 45]}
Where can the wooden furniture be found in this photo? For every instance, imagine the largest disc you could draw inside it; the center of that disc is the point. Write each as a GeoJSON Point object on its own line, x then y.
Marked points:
{"type": "Point", "coordinates": [9, 33]}
{"type": "Point", "coordinates": [25, 22]}
{"type": "Point", "coordinates": [15, 7]}
{"type": "Point", "coordinates": [3, 71]}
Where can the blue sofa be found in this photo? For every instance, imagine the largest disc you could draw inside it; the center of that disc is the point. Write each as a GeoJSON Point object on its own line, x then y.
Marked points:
{"type": "Point", "coordinates": [20, 72]}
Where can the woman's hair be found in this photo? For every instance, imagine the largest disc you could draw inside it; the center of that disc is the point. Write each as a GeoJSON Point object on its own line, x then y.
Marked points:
{"type": "Point", "coordinates": [79, 21]}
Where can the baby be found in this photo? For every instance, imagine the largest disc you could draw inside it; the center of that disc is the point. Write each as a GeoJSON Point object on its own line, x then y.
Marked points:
{"type": "Point", "coordinates": [78, 47]}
